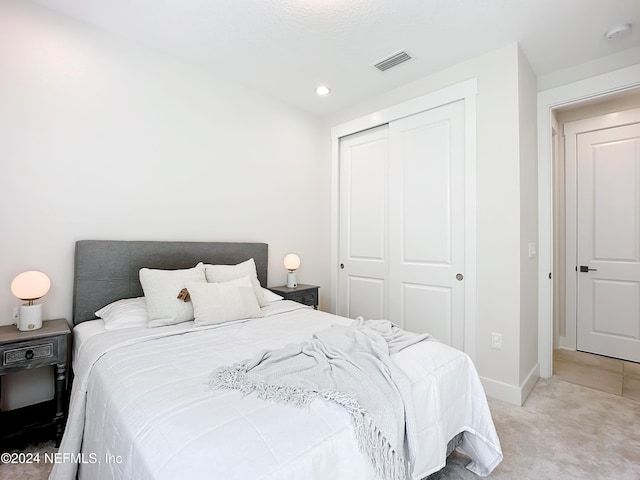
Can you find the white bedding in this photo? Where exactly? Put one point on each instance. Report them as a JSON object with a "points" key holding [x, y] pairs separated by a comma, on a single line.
{"points": [[150, 415]]}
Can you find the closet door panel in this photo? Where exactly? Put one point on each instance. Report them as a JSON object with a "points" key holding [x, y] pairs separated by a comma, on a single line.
{"points": [[426, 222], [365, 297], [363, 229], [427, 308], [426, 231]]}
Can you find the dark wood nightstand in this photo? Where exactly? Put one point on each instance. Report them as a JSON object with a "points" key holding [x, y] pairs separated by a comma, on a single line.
{"points": [[306, 294], [38, 348]]}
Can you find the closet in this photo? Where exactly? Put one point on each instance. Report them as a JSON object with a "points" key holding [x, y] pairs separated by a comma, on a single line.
{"points": [[401, 222]]}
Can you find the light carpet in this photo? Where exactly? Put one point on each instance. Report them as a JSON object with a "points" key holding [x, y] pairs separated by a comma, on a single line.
{"points": [[564, 431]]}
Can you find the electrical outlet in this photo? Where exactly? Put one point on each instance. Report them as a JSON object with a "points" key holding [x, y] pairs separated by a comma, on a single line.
{"points": [[16, 313], [496, 341]]}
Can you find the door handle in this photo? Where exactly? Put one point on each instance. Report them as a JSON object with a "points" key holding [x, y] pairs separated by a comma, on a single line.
{"points": [[586, 269]]}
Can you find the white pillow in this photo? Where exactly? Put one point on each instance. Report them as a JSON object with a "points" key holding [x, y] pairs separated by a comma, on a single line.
{"points": [[161, 289], [222, 302], [125, 313], [270, 296], [225, 273]]}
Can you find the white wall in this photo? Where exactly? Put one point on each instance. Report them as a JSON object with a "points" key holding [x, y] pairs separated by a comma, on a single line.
{"points": [[585, 70], [105, 140], [498, 203], [527, 105]]}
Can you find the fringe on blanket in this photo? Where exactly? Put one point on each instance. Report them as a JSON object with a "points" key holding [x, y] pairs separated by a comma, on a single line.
{"points": [[388, 464]]}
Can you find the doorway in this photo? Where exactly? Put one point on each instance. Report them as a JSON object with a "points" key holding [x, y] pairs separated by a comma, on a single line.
{"points": [[602, 161], [549, 101], [563, 262], [568, 318]]}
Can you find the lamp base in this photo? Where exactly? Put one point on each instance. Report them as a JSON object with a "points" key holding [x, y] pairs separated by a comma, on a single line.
{"points": [[30, 317], [292, 281]]}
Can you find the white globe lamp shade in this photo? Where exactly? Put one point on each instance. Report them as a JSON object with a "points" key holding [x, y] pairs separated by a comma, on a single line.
{"points": [[292, 262], [30, 286]]}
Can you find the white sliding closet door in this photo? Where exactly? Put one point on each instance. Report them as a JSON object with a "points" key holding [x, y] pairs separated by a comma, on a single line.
{"points": [[402, 222], [426, 232], [363, 275]]}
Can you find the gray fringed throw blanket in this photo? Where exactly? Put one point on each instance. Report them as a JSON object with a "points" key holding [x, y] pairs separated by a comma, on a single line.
{"points": [[350, 366]]}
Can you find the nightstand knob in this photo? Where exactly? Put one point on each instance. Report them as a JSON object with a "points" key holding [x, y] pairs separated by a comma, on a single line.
{"points": [[28, 354]]}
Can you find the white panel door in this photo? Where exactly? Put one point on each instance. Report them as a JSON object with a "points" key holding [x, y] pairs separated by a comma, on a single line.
{"points": [[363, 245], [608, 234], [426, 220]]}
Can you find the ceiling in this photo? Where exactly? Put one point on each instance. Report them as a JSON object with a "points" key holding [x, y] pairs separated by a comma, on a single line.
{"points": [[285, 48]]}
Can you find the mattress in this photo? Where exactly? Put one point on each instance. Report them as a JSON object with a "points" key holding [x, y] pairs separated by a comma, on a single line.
{"points": [[141, 407]]}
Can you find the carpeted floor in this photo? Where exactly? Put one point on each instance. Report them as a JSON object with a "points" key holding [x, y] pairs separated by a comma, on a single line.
{"points": [[564, 431], [29, 471]]}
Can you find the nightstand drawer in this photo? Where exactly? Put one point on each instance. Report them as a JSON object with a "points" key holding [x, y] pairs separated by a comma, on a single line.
{"points": [[29, 353], [306, 298], [305, 294]]}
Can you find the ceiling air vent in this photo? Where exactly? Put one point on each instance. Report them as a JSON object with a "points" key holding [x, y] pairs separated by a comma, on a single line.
{"points": [[389, 62]]}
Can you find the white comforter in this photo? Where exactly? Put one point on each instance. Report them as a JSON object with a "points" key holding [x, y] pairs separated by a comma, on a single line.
{"points": [[140, 407]]}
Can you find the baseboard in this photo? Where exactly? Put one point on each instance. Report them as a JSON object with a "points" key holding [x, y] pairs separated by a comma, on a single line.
{"points": [[526, 387], [501, 391], [566, 343], [510, 393]]}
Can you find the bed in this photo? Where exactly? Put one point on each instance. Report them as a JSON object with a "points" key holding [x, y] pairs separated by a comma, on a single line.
{"points": [[141, 407]]}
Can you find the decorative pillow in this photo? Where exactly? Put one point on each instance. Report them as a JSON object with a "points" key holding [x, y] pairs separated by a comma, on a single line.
{"points": [[161, 289], [222, 302], [125, 313], [225, 273], [270, 296]]}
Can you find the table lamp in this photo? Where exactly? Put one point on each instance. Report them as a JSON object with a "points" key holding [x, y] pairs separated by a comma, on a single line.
{"points": [[30, 286], [292, 263]]}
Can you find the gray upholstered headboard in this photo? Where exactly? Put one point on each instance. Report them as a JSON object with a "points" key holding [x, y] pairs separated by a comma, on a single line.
{"points": [[106, 270]]}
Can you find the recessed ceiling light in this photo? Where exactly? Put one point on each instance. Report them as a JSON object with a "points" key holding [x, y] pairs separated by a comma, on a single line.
{"points": [[618, 32], [323, 90]]}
